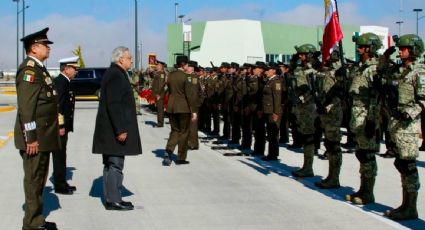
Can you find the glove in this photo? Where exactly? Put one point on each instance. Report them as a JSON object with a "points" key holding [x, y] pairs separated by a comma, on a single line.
{"points": [[401, 116], [370, 128], [389, 51]]}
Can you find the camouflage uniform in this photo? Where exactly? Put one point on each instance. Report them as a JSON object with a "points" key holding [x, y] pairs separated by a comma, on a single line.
{"points": [[406, 100], [365, 118], [329, 87], [135, 85], [305, 109]]}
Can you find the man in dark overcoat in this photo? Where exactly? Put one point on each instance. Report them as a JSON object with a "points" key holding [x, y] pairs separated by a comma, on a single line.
{"points": [[116, 133]]}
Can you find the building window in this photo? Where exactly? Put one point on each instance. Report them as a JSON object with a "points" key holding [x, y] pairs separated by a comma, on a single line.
{"points": [[273, 57]]}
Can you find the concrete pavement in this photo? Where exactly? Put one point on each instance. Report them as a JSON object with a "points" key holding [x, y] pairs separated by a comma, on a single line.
{"points": [[212, 192]]}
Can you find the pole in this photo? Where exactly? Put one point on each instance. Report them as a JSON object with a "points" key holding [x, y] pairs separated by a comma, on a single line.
{"points": [[135, 36], [17, 34], [176, 6], [417, 22], [341, 51], [23, 27]]}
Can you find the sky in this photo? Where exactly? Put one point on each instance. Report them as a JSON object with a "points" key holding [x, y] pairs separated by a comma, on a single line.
{"points": [[98, 26]]}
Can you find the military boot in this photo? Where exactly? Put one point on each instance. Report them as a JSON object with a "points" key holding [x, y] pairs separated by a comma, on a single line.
{"points": [[307, 169], [367, 182], [332, 181], [409, 211]]}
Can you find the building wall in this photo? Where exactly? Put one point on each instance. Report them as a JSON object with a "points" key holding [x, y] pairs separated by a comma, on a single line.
{"points": [[248, 41]]}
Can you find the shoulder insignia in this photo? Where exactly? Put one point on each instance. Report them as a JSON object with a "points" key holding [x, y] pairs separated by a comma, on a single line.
{"points": [[195, 81], [48, 80], [31, 63], [29, 76], [278, 86]]}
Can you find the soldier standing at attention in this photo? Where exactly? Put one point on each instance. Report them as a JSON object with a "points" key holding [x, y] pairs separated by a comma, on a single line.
{"points": [[272, 109], [365, 117], [36, 127], [66, 100], [239, 87], [256, 107], [159, 87], [135, 86], [406, 90], [304, 106], [284, 124], [330, 90], [181, 110], [193, 140]]}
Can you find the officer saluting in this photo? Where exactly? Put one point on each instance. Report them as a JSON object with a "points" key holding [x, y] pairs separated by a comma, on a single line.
{"points": [[36, 128]]}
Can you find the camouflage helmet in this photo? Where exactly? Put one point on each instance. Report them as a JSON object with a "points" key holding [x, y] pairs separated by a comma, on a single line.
{"points": [[369, 39], [305, 48], [412, 41]]}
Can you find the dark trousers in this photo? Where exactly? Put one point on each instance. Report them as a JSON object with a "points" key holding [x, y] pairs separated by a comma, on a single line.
{"points": [[112, 177], [59, 164], [216, 120], [247, 131], [296, 135], [236, 126], [160, 111], [35, 175], [284, 126], [193, 140], [318, 133], [273, 136], [226, 122], [260, 134], [179, 134]]}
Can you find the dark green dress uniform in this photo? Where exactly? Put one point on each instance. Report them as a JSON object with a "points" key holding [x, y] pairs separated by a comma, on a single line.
{"points": [[181, 104], [249, 107], [159, 88], [239, 89], [272, 97], [37, 120], [213, 87], [193, 140]]}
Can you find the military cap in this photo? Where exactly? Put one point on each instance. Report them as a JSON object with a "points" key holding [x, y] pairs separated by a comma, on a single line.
{"points": [[71, 61], [247, 65], [162, 63], [225, 65], [37, 37], [234, 65], [208, 69], [272, 65], [181, 59], [260, 64], [193, 64]]}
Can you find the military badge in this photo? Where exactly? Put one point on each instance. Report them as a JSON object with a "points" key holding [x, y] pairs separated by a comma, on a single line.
{"points": [[195, 81], [49, 94], [29, 76], [162, 76], [48, 80], [278, 86], [31, 63], [54, 92], [189, 79]]}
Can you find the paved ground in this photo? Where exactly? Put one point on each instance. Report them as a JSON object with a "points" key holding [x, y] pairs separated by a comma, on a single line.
{"points": [[213, 192]]}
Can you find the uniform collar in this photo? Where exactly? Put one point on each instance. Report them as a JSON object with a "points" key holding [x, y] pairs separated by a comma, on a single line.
{"points": [[69, 80], [36, 60]]}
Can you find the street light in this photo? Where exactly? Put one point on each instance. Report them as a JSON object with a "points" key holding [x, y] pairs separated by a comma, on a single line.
{"points": [[17, 33], [181, 16], [399, 26], [417, 19], [23, 26], [187, 20], [135, 36], [176, 5]]}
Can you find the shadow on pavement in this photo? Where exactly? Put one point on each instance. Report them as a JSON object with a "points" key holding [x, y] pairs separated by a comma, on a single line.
{"points": [[151, 123], [420, 164], [97, 190], [69, 174], [50, 201]]}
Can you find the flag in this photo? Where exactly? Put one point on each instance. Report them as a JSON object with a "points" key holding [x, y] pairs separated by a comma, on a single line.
{"points": [[29, 77], [332, 33]]}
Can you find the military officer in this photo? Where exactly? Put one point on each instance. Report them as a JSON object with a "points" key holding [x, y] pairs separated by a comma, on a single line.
{"points": [[136, 86], [193, 140], [36, 128], [225, 94], [181, 110], [239, 88], [248, 107], [284, 124], [66, 100], [406, 98], [364, 91], [329, 86], [272, 109], [158, 89], [256, 85]]}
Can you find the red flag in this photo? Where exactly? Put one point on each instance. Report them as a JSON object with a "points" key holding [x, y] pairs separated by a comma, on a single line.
{"points": [[332, 33]]}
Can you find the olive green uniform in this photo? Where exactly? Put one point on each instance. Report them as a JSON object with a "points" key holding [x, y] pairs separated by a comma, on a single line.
{"points": [[37, 120], [159, 87]]}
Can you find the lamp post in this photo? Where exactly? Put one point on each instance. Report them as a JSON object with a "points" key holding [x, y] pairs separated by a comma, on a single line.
{"points": [[135, 36], [399, 26], [181, 16], [23, 26], [17, 33], [417, 19], [176, 6]]}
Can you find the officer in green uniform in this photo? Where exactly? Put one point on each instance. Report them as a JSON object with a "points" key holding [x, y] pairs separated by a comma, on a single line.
{"points": [[272, 109], [36, 127], [329, 85], [249, 106], [225, 94], [159, 87], [365, 119], [257, 83], [304, 106], [193, 140], [405, 90], [135, 86], [181, 111], [239, 88]]}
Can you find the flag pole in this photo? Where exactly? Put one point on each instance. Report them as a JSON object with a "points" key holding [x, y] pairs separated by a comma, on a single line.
{"points": [[341, 50]]}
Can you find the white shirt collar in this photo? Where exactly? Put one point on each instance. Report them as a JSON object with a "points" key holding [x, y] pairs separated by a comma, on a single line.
{"points": [[66, 77], [36, 60]]}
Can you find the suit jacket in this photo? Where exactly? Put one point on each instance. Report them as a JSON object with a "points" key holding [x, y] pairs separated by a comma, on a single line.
{"points": [[182, 97], [66, 100], [116, 114], [37, 115]]}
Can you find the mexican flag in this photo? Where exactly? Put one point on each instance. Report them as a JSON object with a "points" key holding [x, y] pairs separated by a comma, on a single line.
{"points": [[29, 77], [332, 33]]}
